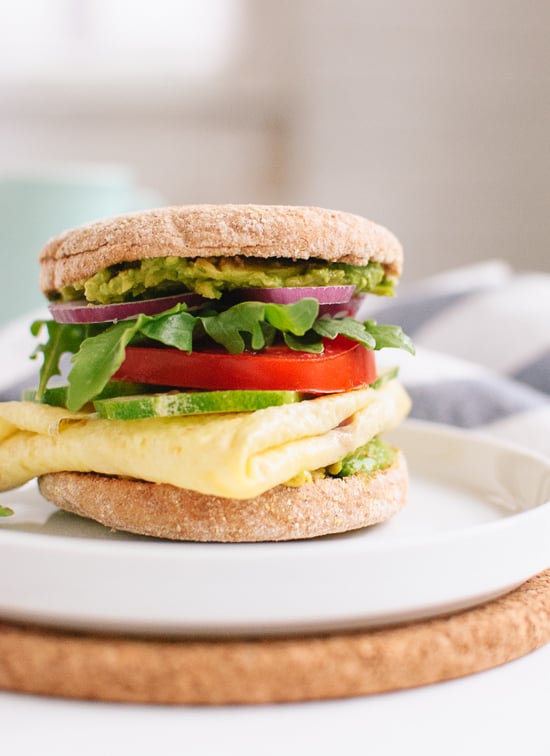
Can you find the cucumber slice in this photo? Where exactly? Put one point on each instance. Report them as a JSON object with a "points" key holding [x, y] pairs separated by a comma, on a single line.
{"points": [[190, 403], [57, 396]]}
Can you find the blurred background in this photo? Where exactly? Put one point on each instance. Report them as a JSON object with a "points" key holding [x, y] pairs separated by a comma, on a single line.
{"points": [[431, 117]]}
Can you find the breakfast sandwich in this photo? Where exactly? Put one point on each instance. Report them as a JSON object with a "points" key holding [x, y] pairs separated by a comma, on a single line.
{"points": [[219, 386]]}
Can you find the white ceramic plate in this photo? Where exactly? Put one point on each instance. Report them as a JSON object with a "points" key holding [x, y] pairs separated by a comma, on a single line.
{"points": [[477, 525]]}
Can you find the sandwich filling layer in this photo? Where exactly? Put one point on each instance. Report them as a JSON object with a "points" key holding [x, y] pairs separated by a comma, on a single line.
{"points": [[214, 276], [236, 456]]}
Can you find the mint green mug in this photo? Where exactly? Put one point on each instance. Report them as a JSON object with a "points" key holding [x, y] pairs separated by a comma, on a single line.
{"points": [[36, 204]]}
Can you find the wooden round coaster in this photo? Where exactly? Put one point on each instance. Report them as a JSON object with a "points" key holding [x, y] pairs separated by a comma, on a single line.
{"points": [[179, 671]]}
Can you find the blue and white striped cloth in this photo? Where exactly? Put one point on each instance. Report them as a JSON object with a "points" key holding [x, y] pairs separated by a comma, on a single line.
{"points": [[483, 350]]}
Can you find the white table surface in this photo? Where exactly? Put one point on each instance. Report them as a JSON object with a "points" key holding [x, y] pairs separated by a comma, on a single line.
{"points": [[501, 711]]}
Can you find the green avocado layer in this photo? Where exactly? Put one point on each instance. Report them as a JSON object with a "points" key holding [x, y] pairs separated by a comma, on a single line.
{"points": [[373, 456], [366, 460], [213, 276]]}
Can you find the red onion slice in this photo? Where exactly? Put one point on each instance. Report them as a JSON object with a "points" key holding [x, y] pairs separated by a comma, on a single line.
{"points": [[345, 310], [83, 312], [325, 295]]}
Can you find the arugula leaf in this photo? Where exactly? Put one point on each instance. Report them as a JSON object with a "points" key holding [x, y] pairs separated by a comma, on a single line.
{"points": [[6, 512], [332, 327], [296, 318], [173, 328], [226, 328], [309, 342], [385, 377], [62, 338], [269, 333], [98, 358], [389, 336]]}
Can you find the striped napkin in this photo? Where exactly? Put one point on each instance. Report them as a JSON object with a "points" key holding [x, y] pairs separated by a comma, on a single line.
{"points": [[483, 350]]}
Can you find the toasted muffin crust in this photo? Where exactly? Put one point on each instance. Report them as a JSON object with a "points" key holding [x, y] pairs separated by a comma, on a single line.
{"points": [[262, 231], [329, 505]]}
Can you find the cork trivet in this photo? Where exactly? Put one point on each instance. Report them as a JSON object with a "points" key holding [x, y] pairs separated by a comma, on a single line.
{"points": [[179, 671]]}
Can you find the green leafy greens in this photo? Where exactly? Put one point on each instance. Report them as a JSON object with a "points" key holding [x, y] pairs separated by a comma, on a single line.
{"points": [[61, 339], [99, 350]]}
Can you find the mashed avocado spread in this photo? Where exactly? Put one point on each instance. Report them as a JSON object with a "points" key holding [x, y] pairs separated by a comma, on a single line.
{"points": [[213, 276], [366, 460]]}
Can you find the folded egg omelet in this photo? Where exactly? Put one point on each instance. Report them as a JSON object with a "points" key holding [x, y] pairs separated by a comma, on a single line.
{"points": [[237, 455]]}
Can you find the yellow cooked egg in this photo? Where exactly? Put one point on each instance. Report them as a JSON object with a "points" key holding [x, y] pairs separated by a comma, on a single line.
{"points": [[233, 455]]}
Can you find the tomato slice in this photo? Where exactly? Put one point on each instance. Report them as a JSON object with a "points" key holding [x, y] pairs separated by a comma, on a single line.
{"points": [[343, 366]]}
